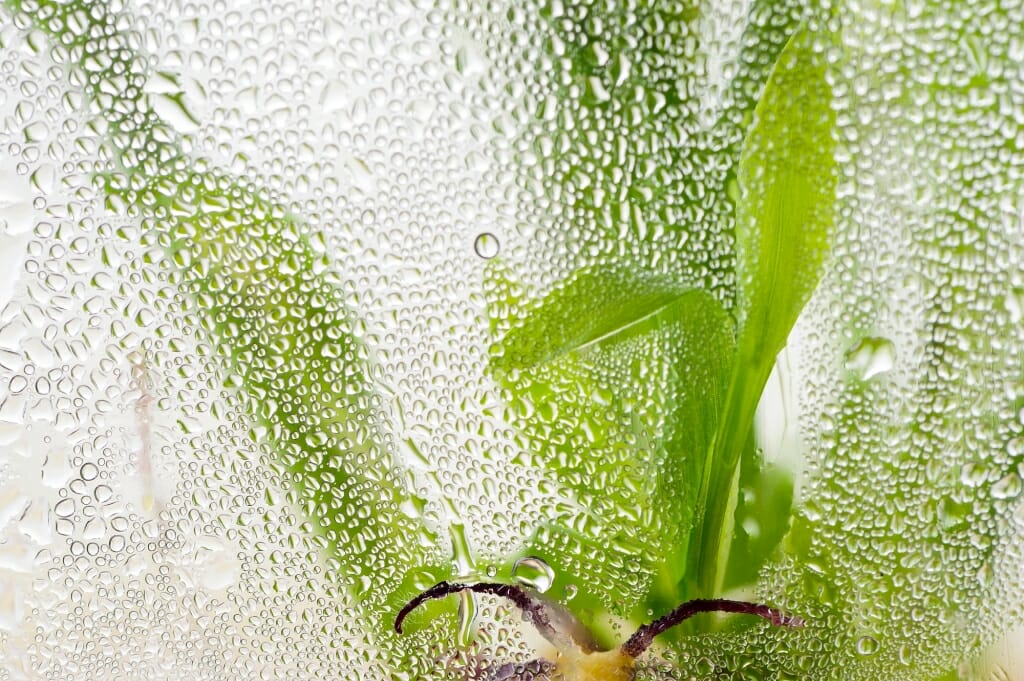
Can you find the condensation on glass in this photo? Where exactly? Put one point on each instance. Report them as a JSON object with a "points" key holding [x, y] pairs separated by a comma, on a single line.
{"points": [[265, 271]]}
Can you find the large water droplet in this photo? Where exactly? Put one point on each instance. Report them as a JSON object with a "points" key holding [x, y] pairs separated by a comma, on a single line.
{"points": [[1007, 487], [486, 245], [870, 357], [533, 572], [462, 557], [467, 618], [867, 645]]}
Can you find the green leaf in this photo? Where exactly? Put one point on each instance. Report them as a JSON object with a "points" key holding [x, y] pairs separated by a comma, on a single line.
{"points": [[262, 287], [616, 380], [762, 519], [592, 305], [787, 182], [668, 188]]}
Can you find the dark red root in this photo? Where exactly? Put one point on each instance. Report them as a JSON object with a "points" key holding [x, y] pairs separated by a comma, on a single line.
{"points": [[532, 607], [644, 636]]}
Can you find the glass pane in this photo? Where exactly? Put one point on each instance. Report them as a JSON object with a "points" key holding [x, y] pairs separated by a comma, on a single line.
{"points": [[307, 306]]}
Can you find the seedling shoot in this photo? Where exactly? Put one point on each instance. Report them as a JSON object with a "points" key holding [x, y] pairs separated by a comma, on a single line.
{"points": [[580, 659]]}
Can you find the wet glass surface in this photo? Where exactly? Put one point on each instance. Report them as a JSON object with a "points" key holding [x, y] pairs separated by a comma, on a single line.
{"points": [[306, 306]]}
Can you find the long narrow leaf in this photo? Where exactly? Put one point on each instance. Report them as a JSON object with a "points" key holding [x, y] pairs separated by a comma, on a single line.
{"points": [[787, 190], [271, 307]]}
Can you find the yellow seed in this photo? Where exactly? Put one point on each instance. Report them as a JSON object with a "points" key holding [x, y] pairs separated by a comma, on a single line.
{"points": [[612, 665]]}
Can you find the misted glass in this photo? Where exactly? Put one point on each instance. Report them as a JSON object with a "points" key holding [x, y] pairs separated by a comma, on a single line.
{"points": [[307, 306]]}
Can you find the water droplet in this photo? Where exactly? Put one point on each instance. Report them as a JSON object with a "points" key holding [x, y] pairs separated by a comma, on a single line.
{"points": [[867, 645], [953, 513], [1013, 303], [871, 357], [174, 109], [64, 508], [533, 572], [467, 618], [18, 384], [461, 555], [974, 474], [1007, 487], [486, 245]]}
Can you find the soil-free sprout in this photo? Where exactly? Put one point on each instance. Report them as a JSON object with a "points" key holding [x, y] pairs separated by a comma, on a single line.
{"points": [[581, 659]]}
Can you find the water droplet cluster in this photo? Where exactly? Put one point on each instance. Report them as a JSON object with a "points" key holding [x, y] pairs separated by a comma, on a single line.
{"points": [[247, 404], [910, 511]]}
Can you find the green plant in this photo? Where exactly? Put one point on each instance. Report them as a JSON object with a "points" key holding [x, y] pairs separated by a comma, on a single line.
{"points": [[851, 187]]}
